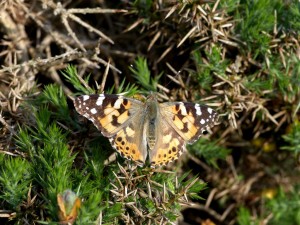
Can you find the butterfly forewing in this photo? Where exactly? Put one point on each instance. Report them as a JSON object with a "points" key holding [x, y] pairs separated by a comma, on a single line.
{"points": [[188, 119], [109, 113], [118, 118]]}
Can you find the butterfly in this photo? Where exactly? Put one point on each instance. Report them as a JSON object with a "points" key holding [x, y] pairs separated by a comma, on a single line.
{"points": [[140, 129]]}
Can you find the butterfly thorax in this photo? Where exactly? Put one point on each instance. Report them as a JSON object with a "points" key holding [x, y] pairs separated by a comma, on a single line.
{"points": [[152, 112]]}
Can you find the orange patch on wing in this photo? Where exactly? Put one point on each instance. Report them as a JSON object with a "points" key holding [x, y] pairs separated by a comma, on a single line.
{"points": [[166, 155], [178, 123], [192, 129], [192, 132], [127, 105], [174, 110], [106, 124], [108, 111], [128, 149], [123, 117]]}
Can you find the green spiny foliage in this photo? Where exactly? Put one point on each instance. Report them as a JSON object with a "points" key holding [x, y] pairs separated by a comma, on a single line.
{"points": [[285, 208], [142, 74], [293, 139], [230, 5], [144, 8], [79, 84], [287, 80], [255, 18], [25, 142], [15, 180], [258, 84], [209, 150], [246, 54], [70, 73], [203, 72], [129, 89], [216, 64], [52, 160], [191, 186], [50, 156], [288, 13], [244, 217]]}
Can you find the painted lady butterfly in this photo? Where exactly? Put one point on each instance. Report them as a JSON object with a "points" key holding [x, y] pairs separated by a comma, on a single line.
{"points": [[139, 129]]}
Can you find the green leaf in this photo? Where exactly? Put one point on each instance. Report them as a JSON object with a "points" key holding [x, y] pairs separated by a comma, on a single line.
{"points": [[79, 84], [141, 73]]}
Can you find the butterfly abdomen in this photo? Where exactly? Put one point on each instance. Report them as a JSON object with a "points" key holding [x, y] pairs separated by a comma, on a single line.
{"points": [[151, 134], [151, 122]]}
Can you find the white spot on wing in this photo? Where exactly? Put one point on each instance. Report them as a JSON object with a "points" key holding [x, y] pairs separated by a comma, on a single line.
{"points": [[100, 99], [93, 111], [118, 103], [202, 121], [129, 132], [209, 110], [167, 138], [86, 97], [198, 109], [183, 109]]}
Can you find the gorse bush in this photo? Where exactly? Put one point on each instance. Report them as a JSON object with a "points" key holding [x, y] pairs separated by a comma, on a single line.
{"points": [[239, 58]]}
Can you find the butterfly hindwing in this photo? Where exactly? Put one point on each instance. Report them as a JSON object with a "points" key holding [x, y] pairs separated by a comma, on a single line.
{"points": [[130, 143], [168, 147]]}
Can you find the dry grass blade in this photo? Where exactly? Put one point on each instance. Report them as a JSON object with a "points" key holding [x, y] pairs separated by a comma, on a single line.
{"points": [[165, 53], [135, 24], [71, 33], [187, 36], [104, 78], [157, 35], [96, 10], [90, 28]]}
